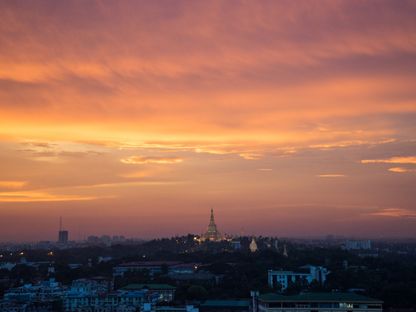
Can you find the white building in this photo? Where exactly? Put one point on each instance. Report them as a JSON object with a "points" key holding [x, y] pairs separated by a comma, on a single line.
{"points": [[45, 291], [308, 274], [96, 296]]}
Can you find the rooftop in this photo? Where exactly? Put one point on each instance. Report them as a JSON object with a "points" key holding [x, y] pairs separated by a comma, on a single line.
{"points": [[329, 297], [149, 286], [149, 263], [226, 303]]}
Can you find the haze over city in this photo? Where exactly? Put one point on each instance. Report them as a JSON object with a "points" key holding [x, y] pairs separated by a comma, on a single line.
{"points": [[289, 118]]}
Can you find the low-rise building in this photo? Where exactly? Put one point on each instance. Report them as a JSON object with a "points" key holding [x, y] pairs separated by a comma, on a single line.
{"points": [[239, 305], [164, 292], [98, 296], [153, 267], [187, 308], [316, 302], [308, 273], [49, 290]]}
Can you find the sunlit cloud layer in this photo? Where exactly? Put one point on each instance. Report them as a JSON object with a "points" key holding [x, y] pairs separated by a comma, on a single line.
{"points": [[392, 160], [152, 112], [21, 197], [401, 170], [395, 213], [12, 184], [134, 160]]}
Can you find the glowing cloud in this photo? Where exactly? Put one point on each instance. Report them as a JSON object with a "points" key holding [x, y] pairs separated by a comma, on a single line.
{"points": [[395, 213], [32, 196], [12, 184], [250, 156], [139, 160], [186, 103], [333, 175], [401, 170], [392, 160]]}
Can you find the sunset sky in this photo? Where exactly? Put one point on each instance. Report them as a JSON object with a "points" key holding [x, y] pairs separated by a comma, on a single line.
{"points": [[289, 118]]}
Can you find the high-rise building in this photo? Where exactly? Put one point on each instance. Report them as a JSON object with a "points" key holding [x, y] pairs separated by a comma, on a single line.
{"points": [[63, 235], [212, 232]]}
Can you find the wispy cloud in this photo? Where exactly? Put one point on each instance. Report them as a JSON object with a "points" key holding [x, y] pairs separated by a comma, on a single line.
{"points": [[331, 175], [394, 213], [56, 151], [12, 184], [138, 160], [250, 156], [35, 196], [392, 160], [401, 170]]}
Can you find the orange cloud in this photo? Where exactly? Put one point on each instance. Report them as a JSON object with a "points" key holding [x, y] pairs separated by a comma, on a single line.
{"points": [[12, 184], [395, 213], [333, 175], [138, 160], [401, 170], [392, 160], [34, 196], [250, 156], [300, 89]]}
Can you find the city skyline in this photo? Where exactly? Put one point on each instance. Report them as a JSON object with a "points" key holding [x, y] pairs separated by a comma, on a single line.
{"points": [[134, 118]]}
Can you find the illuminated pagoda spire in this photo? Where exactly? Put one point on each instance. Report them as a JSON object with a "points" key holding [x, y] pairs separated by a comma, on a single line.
{"points": [[212, 232]]}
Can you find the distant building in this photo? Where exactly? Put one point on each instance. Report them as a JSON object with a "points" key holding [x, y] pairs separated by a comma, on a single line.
{"points": [[358, 244], [183, 268], [49, 290], [253, 245], [187, 308], [276, 244], [102, 259], [236, 244], [63, 235], [91, 295], [285, 251], [99, 285], [317, 302], [165, 292], [7, 266], [212, 233], [153, 267], [15, 306], [308, 274], [196, 277]]}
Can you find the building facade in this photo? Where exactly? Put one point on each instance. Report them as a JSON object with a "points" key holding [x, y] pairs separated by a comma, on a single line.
{"points": [[308, 273], [316, 302]]}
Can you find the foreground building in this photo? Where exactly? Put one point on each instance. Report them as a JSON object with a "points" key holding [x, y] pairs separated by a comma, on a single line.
{"points": [[97, 296], [238, 305], [316, 302], [308, 273], [45, 291], [163, 292]]}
